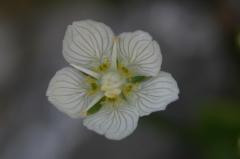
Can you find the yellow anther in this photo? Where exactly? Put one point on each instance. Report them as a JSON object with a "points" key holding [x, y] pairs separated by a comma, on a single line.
{"points": [[89, 79], [104, 66], [113, 101], [124, 71], [128, 88], [93, 86]]}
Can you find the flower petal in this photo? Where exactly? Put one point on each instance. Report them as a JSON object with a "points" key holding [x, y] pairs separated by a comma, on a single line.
{"points": [[139, 52], [115, 122], [155, 94], [87, 43], [68, 93]]}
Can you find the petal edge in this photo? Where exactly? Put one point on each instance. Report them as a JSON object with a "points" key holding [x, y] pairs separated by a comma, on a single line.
{"points": [[115, 123], [156, 93], [87, 43], [67, 92], [140, 53]]}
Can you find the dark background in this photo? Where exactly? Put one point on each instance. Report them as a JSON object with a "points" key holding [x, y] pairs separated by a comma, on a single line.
{"points": [[200, 43]]}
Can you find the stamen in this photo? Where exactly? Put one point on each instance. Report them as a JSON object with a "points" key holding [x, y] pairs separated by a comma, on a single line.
{"points": [[93, 85], [127, 89], [114, 53], [124, 70], [87, 71], [94, 101], [104, 66]]}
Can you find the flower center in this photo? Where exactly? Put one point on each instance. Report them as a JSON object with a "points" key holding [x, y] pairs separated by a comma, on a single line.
{"points": [[111, 84]]}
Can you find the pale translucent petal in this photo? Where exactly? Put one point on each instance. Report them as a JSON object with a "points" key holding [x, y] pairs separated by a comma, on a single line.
{"points": [[155, 94], [139, 52], [87, 43], [115, 122], [67, 92]]}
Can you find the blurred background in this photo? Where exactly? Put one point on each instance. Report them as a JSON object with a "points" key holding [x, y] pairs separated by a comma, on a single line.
{"points": [[200, 43]]}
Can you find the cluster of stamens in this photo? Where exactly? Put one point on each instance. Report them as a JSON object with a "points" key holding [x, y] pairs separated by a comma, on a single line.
{"points": [[113, 83]]}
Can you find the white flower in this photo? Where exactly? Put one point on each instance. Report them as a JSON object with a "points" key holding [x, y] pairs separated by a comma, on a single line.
{"points": [[113, 80]]}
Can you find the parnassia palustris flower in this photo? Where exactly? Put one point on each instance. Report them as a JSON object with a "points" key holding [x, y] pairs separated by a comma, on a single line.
{"points": [[112, 80]]}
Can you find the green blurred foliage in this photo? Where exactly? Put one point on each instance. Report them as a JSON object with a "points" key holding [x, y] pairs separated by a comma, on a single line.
{"points": [[219, 129], [238, 40], [216, 134]]}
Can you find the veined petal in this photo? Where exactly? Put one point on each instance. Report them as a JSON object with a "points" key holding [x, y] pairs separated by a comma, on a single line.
{"points": [[115, 122], [139, 52], [68, 93], [155, 94], [87, 43]]}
